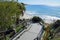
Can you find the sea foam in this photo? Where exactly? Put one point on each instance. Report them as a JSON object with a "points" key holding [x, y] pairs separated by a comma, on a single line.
{"points": [[46, 18]]}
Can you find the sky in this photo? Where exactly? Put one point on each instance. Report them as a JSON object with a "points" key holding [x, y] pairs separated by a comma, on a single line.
{"points": [[42, 2]]}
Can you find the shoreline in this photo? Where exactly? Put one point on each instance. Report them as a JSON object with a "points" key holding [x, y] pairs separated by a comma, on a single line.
{"points": [[46, 18]]}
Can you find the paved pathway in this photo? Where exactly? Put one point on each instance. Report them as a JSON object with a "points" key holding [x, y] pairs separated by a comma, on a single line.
{"points": [[32, 33]]}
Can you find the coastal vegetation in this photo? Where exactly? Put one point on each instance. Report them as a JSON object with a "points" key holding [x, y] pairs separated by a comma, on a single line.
{"points": [[36, 19], [10, 24], [52, 31], [9, 17]]}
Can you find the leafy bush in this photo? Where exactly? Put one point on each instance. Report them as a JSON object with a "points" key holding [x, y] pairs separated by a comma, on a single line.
{"points": [[9, 12], [36, 19], [52, 31], [56, 24]]}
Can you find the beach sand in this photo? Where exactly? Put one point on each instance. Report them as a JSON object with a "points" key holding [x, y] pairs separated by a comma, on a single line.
{"points": [[47, 19]]}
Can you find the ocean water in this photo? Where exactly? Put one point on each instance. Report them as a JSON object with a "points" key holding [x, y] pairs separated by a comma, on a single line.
{"points": [[43, 10]]}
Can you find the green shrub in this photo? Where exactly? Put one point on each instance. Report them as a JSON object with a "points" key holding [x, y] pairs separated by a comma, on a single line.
{"points": [[9, 12], [36, 19], [56, 24]]}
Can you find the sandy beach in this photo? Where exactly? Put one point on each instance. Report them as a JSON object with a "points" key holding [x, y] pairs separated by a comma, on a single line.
{"points": [[47, 19]]}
